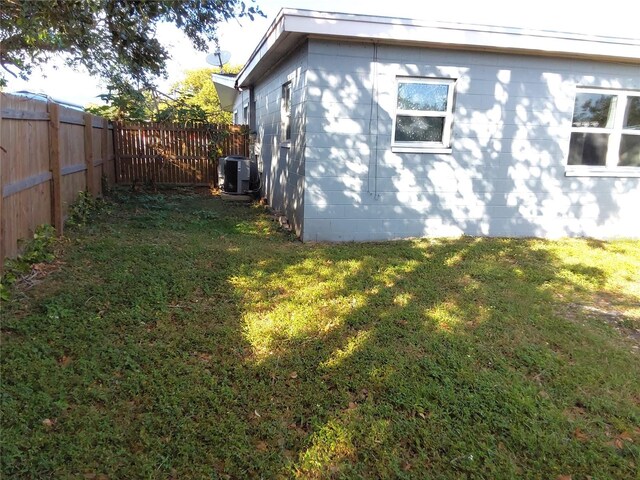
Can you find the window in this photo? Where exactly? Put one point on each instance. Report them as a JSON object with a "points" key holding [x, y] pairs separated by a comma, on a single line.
{"points": [[286, 111], [424, 113], [245, 114], [235, 117], [605, 131]]}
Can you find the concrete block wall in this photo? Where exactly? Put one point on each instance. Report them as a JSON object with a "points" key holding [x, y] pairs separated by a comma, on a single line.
{"points": [[510, 139], [282, 163]]}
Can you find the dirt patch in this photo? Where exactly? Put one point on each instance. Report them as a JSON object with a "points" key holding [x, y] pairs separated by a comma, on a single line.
{"points": [[625, 324], [39, 271]]}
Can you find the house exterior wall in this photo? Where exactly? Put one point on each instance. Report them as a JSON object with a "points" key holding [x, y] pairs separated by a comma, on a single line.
{"points": [[282, 163], [510, 139], [242, 99]]}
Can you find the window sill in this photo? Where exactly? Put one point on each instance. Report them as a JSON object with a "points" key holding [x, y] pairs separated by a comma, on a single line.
{"points": [[618, 172], [407, 149]]}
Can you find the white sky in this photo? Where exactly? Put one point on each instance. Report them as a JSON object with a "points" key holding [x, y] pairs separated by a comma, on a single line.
{"points": [[614, 18]]}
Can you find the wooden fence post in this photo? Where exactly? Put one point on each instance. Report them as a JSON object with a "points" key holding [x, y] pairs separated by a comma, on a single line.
{"points": [[103, 149], [116, 150], [88, 153], [3, 161], [246, 142], [54, 166]]}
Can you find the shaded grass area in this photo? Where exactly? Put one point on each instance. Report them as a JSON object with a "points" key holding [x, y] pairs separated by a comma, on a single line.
{"points": [[188, 338]]}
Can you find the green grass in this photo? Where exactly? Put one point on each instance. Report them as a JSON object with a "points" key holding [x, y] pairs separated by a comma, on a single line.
{"points": [[182, 337]]}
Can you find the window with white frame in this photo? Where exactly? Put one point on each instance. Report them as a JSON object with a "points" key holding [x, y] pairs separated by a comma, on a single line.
{"points": [[245, 114], [286, 111], [605, 130], [424, 113], [235, 117]]}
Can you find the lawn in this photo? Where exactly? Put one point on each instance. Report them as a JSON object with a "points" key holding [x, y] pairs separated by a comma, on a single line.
{"points": [[183, 337]]}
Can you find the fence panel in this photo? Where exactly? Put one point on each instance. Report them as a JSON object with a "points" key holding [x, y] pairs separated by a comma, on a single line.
{"points": [[173, 153], [44, 150]]}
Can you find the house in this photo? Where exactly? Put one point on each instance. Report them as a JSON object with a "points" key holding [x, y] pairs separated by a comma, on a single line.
{"points": [[372, 128]]}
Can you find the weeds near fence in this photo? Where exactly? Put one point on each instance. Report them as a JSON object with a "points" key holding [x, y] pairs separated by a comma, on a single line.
{"points": [[38, 250], [82, 211]]}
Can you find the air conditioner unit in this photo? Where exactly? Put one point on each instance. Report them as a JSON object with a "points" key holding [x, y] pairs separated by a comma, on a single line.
{"points": [[238, 175]]}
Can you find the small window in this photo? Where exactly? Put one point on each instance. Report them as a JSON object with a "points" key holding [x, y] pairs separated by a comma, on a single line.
{"points": [[605, 129], [245, 114], [424, 114], [235, 117], [286, 111]]}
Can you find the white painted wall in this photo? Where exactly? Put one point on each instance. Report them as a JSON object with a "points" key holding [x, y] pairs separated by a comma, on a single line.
{"points": [[282, 165], [242, 99], [506, 175]]}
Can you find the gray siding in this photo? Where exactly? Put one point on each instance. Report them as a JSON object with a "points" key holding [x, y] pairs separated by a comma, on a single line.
{"points": [[283, 165], [506, 175]]}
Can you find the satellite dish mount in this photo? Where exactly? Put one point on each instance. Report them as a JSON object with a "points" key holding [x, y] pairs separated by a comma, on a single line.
{"points": [[219, 58]]}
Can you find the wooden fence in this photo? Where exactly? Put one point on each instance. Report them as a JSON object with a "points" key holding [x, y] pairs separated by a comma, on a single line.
{"points": [[48, 153], [173, 153]]}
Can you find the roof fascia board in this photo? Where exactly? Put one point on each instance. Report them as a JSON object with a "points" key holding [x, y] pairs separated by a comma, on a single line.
{"points": [[225, 88], [443, 35], [225, 80], [335, 17], [495, 38], [268, 40]]}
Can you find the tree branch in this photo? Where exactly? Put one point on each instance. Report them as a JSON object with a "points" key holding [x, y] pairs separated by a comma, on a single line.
{"points": [[2, 64]]}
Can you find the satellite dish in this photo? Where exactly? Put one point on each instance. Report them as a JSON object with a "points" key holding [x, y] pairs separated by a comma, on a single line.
{"points": [[219, 58]]}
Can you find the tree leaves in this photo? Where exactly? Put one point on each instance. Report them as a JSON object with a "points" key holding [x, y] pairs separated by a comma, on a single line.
{"points": [[192, 99], [619, 441], [113, 39], [197, 93]]}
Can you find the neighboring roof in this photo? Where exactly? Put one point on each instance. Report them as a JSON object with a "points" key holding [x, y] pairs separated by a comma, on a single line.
{"points": [[225, 87], [290, 27], [43, 97]]}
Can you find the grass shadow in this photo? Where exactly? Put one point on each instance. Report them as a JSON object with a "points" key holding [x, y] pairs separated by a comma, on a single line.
{"points": [[444, 350]]}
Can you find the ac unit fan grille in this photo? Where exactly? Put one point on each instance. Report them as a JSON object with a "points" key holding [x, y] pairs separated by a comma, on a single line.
{"points": [[231, 176]]}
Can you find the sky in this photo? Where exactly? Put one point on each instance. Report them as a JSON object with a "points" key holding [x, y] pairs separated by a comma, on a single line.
{"points": [[241, 36]]}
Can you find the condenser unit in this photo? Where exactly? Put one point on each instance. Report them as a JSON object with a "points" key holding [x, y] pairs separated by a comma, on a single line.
{"points": [[238, 175]]}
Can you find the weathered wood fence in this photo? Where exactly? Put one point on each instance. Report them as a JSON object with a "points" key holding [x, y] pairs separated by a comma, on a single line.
{"points": [[175, 153], [48, 153]]}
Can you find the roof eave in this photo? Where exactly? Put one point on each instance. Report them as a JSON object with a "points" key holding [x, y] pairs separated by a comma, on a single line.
{"points": [[291, 26], [269, 39], [225, 88]]}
